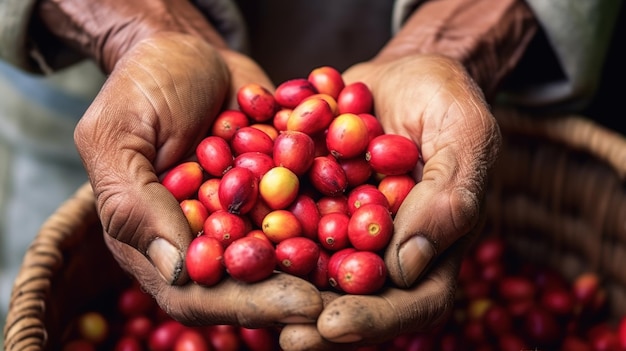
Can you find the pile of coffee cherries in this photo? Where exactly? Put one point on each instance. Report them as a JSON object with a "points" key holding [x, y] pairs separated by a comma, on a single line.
{"points": [[302, 180]]}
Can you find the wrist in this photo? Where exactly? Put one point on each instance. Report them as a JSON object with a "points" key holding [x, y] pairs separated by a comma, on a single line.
{"points": [[105, 30], [488, 37]]}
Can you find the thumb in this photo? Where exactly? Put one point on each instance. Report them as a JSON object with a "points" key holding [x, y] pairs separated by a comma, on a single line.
{"points": [[150, 220], [430, 220]]}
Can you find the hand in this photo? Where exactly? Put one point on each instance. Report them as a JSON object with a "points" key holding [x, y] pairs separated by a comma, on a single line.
{"points": [[431, 100], [167, 81]]}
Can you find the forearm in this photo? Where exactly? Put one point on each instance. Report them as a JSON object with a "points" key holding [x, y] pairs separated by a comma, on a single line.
{"points": [[105, 30], [487, 36]]}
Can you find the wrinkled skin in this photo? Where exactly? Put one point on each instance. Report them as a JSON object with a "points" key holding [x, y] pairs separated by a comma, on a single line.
{"points": [[444, 113], [159, 101]]}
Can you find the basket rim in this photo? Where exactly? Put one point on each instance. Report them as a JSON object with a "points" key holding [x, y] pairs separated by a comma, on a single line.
{"points": [[24, 327]]}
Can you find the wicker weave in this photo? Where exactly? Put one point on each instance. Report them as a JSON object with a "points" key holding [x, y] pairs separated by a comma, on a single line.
{"points": [[558, 196], [66, 267]]}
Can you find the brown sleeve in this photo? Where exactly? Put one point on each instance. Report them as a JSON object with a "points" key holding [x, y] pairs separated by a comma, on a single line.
{"points": [[487, 36]]}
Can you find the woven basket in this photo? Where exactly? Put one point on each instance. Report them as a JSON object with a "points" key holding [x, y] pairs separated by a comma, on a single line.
{"points": [[558, 196]]}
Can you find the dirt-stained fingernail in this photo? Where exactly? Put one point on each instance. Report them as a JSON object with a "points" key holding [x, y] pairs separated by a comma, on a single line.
{"points": [[415, 255], [166, 258]]}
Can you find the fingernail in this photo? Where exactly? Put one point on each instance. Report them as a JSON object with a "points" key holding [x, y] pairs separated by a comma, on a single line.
{"points": [[415, 254], [166, 258]]}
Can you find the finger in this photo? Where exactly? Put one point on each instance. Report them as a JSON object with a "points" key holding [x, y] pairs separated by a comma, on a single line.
{"points": [[427, 223], [148, 116], [373, 319], [277, 300], [304, 337], [329, 296]]}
